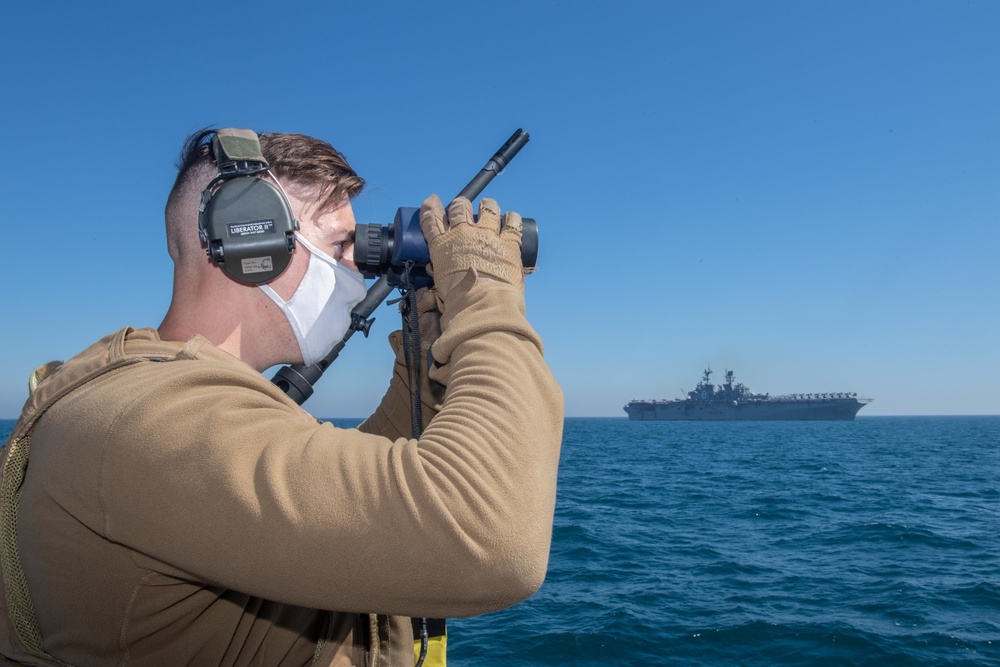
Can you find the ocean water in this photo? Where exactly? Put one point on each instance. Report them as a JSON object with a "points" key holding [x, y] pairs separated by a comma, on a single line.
{"points": [[872, 542]]}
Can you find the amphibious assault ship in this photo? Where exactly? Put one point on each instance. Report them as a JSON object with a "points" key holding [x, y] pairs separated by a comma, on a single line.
{"points": [[734, 402]]}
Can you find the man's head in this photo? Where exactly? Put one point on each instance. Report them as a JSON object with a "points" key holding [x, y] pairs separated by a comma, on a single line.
{"points": [[319, 184]]}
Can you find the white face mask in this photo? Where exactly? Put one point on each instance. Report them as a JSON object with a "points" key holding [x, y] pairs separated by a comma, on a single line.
{"points": [[320, 310]]}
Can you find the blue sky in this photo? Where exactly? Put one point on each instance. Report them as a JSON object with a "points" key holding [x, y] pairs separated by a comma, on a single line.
{"points": [[803, 192]]}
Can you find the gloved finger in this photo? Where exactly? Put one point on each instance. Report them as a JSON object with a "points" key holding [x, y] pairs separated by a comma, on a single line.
{"points": [[489, 215], [513, 226], [460, 212], [429, 312], [426, 300], [432, 218]]}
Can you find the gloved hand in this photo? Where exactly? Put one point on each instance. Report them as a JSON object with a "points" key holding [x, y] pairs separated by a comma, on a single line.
{"points": [[428, 315], [429, 321], [392, 417], [457, 243]]}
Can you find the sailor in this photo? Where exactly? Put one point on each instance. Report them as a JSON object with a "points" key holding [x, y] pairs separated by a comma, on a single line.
{"points": [[162, 503]]}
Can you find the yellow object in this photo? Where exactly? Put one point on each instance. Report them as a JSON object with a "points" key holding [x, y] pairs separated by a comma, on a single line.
{"points": [[437, 649]]}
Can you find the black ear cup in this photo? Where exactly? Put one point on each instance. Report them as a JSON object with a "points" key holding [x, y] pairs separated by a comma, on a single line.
{"points": [[248, 228], [245, 222]]}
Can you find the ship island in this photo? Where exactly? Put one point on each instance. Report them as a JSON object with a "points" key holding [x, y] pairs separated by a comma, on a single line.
{"points": [[734, 402]]}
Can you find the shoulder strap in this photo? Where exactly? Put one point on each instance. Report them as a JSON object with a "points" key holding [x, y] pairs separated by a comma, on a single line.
{"points": [[15, 464]]}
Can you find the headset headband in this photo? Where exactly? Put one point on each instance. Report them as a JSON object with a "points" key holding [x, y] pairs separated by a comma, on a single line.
{"points": [[238, 153]]}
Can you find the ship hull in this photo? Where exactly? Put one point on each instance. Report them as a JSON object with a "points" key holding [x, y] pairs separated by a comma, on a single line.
{"points": [[834, 409]]}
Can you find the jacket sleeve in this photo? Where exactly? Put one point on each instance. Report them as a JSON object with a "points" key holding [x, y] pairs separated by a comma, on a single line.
{"points": [[226, 481]]}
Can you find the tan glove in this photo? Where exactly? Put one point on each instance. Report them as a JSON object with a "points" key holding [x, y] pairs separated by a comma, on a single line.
{"points": [[429, 321], [429, 318], [457, 243], [392, 417]]}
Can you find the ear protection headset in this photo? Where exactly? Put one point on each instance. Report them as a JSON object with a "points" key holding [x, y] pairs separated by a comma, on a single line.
{"points": [[244, 221]]}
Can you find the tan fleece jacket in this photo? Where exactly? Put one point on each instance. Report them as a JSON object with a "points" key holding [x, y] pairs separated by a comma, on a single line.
{"points": [[180, 509]]}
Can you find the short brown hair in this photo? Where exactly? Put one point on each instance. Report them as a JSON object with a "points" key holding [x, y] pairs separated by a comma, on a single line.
{"points": [[312, 163], [294, 158]]}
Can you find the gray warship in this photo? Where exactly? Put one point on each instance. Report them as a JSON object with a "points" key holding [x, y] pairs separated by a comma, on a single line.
{"points": [[734, 402]]}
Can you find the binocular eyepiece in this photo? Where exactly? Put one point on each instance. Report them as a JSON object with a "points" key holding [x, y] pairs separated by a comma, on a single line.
{"points": [[388, 250]]}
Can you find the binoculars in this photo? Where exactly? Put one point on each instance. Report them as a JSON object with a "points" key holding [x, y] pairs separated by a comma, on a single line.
{"points": [[391, 250]]}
